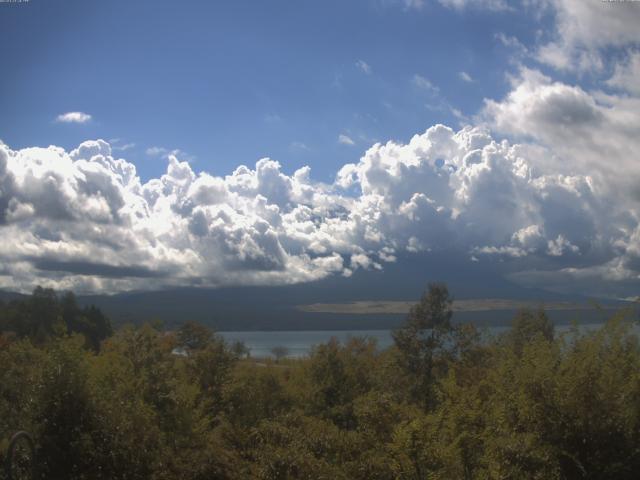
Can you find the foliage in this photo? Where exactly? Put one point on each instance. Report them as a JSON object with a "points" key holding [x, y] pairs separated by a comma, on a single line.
{"points": [[527, 326], [280, 352], [424, 341], [44, 316], [442, 403]]}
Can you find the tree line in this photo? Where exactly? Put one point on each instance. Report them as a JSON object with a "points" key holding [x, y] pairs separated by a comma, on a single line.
{"points": [[443, 402]]}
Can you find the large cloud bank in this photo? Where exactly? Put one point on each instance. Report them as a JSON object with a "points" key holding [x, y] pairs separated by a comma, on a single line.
{"points": [[545, 184], [83, 219]]}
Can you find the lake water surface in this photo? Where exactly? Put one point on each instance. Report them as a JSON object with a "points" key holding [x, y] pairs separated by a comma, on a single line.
{"points": [[299, 343]]}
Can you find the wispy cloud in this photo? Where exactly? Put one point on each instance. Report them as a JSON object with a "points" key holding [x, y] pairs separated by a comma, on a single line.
{"points": [[495, 5], [518, 52], [163, 152], [156, 151], [117, 145], [345, 139], [417, 4], [458, 114], [299, 146], [465, 77], [272, 118], [124, 146], [73, 117], [364, 66], [437, 102], [423, 83], [337, 80]]}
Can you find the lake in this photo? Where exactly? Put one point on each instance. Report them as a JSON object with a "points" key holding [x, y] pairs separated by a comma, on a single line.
{"points": [[299, 343]]}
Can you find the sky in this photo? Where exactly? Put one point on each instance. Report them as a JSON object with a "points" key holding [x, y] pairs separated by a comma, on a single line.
{"points": [[147, 145]]}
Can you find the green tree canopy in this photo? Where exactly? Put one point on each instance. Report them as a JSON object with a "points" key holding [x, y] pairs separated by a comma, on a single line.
{"points": [[424, 339]]}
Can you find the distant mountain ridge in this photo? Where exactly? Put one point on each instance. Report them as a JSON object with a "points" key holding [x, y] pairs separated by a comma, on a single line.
{"points": [[279, 307]]}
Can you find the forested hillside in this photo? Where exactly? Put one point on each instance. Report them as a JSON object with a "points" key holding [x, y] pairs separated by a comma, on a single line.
{"points": [[444, 402]]}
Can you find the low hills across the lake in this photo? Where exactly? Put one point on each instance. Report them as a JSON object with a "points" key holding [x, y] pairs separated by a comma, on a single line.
{"points": [[368, 300], [301, 307]]}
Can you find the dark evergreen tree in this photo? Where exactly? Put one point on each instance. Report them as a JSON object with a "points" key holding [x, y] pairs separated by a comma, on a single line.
{"points": [[424, 340]]}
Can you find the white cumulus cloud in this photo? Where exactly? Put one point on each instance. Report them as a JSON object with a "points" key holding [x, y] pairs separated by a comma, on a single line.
{"points": [[73, 117], [583, 29], [83, 219]]}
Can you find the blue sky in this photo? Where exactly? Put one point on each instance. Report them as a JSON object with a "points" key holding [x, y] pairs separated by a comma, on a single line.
{"points": [[496, 133], [203, 77]]}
